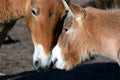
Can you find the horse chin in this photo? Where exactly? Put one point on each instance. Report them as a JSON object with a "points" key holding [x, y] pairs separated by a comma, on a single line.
{"points": [[43, 70], [59, 65], [46, 69], [62, 66]]}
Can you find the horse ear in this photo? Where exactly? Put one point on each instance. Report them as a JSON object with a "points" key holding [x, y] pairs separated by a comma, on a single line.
{"points": [[70, 13], [68, 1], [81, 14]]}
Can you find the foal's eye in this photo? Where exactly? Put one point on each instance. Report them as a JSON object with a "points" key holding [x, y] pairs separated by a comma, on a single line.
{"points": [[34, 12], [66, 29]]}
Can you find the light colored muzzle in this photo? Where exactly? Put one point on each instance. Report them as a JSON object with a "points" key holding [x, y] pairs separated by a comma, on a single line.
{"points": [[44, 62], [41, 61], [57, 58]]}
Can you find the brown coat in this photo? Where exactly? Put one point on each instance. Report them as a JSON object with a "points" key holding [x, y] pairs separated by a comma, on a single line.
{"points": [[89, 32], [10, 12]]}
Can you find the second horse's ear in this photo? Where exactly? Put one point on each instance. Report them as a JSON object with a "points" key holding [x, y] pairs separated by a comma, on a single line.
{"points": [[68, 1]]}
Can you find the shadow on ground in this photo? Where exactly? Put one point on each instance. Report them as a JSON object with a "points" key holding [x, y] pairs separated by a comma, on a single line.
{"points": [[95, 71]]}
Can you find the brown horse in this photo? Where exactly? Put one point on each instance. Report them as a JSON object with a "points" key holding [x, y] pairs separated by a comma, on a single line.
{"points": [[87, 32], [45, 21], [10, 12]]}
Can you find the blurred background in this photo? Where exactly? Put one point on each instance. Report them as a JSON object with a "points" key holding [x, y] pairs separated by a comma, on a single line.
{"points": [[16, 61]]}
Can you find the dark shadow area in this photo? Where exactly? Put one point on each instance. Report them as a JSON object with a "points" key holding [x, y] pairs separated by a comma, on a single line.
{"points": [[9, 40], [95, 71]]}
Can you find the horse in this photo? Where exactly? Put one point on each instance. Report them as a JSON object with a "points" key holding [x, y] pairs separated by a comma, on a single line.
{"points": [[10, 12], [44, 19], [45, 24], [87, 32]]}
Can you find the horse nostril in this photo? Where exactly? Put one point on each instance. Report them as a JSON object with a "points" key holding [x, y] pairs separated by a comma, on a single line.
{"points": [[55, 61], [37, 64]]}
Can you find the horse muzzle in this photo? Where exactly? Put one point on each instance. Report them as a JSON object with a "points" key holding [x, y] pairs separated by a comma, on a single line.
{"points": [[40, 68]]}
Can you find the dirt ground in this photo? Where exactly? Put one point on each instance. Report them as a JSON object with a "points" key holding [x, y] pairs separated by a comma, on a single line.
{"points": [[16, 61]]}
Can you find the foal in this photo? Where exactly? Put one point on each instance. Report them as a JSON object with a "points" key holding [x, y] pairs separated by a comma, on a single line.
{"points": [[87, 31]]}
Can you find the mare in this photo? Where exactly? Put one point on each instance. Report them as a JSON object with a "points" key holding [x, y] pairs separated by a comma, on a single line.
{"points": [[45, 21]]}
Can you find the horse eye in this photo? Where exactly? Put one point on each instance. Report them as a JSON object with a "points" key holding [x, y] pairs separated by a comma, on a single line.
{"points": [[66, 11], [51, 14], [34, 12], [66, 29]]}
